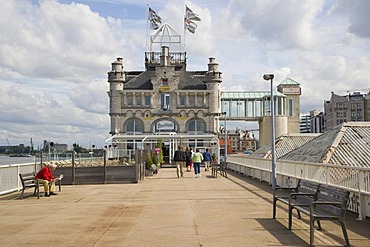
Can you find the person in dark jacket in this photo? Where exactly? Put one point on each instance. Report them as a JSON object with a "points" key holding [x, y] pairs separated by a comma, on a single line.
{"points": [[207, 158], [188, 161], [179, 158]]}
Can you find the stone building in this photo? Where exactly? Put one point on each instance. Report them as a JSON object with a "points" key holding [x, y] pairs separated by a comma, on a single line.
{"points": [[165, 102], [353, 107]]}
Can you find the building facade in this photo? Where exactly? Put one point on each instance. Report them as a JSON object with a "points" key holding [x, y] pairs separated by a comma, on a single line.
{"points": [[165, 102], [353, 107]]}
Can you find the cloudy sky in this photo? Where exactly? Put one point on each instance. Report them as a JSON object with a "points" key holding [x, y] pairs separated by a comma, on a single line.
{"points": [[55, 55]]}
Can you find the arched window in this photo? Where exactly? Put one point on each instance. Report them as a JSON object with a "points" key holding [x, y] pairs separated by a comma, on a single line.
{"points": [[196, 126], [134, 125]]}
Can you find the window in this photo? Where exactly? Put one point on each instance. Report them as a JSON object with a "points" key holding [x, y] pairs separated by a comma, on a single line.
{"points": [[147, 100], [200, 100], [192, 100], [134, 125], [165, 101], [129, 100], [182, 100], [138, 99], [196, 126], [290, 110], [164, 81]]}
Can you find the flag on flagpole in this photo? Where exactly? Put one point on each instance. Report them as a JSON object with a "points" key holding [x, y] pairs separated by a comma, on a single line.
{"points": [[190, 25], [154, 19], [190, 15], [189, 19]]}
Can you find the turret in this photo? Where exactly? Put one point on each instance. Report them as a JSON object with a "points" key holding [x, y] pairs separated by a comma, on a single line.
{"points": [[213, 75], [116, 79], [213, 80]]}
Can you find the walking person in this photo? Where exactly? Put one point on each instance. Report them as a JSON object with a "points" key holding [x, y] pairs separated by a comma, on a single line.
{"points": [[197, 160], [207, 159], [188, 161], [179, 158]]}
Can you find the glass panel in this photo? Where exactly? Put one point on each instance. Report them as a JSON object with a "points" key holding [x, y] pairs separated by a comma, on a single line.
{"points": [[233, 109], [258, 108], [138, 100], [191, 100], [147, 100], [250, 107], [182, 100], [225, 106], [290, 107], [134, 126], [279, 107], [129, 100], [200, 100], [191, 126], [165, 101], [201, 127], [241, 109], [196, 126]]}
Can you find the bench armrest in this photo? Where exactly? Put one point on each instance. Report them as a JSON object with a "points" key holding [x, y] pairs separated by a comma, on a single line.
{"points": [[284, 191]]}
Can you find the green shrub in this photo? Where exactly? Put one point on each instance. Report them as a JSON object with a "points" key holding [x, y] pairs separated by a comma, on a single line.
{"points": [[155, 158], [149, 161]]}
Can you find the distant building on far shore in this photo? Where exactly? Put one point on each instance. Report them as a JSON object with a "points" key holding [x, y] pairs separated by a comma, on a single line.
{"points": [[353, 107]]}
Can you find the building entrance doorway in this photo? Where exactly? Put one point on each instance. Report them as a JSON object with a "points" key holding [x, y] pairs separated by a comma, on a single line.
{"points": [[166, 152]]}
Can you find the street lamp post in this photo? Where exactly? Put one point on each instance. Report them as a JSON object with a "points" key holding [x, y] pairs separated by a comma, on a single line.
{"points": [[225, 141], [270, 77]]}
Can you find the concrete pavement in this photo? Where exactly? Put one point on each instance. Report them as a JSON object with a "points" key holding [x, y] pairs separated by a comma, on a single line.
{"points": [[164, 211]]}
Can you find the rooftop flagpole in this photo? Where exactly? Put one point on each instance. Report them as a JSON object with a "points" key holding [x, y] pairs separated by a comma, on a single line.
{"points": [[185, 29], [147, 28]]}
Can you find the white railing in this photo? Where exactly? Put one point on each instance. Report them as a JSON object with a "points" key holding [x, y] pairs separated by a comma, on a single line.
{"points": [[9, 176], [354, 179]]}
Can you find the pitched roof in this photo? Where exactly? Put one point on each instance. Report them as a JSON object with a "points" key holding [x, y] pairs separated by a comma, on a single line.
{"points": [[284, 144], [289, 81], [345, 144], [143, 81], [190, 82]]}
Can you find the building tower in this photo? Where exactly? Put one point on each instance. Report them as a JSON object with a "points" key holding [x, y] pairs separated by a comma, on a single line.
{"points": [[116, 79], [292, 90], [213, 80]]}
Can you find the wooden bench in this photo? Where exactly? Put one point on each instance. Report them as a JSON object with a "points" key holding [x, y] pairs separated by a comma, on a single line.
{"points": [[28, 180], [286, 195], [329, 204], [219, 168]]}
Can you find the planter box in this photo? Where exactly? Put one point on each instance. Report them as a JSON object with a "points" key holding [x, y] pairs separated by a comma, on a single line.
{"points": [[99, 175], [148, 172]]}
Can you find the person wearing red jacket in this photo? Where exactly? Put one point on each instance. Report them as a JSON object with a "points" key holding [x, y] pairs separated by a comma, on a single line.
{"points": [[45, 177]]}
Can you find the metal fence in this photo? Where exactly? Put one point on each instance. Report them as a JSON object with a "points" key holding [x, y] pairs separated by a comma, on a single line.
{"points": [[354, 179], [78, 170]]}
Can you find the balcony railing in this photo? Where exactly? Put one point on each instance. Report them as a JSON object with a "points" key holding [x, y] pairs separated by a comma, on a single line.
{"points": [[155, 57]]}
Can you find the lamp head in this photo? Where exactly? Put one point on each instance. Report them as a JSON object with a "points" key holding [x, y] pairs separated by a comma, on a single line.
{"points": [[268, 76]]}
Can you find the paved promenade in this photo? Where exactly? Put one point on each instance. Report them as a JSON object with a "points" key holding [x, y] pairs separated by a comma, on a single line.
{"points": [[163, 211]]}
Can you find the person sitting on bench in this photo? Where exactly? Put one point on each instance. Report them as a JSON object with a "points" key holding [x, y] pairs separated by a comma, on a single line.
{"points": [[45, 177]]}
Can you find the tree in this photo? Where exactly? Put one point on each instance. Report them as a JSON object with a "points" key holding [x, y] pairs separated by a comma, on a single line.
{"points": [[155, 158], [159, 145], [149, 161]]}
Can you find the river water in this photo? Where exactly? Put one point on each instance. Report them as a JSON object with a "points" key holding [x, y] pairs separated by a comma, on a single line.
{"points": [[6, 160]]}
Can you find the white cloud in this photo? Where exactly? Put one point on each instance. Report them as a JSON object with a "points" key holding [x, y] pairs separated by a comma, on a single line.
{"points": [[54, 56]]}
